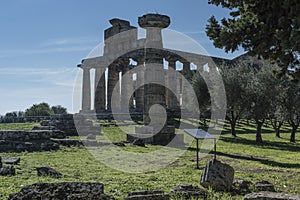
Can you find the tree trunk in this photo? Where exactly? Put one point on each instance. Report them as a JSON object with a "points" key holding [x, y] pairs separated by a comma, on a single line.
{"points": [[258, 131], [294, 129], [277, 131], [233, 132], [293, 134], [276, 125], [233, 121]]}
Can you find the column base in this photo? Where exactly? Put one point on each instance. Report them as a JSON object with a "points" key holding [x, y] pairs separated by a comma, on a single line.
{"points": [[164, 137]]}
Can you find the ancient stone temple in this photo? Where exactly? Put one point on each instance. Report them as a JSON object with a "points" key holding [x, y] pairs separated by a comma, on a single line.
{"points": [[130, 76], [123, 46]]}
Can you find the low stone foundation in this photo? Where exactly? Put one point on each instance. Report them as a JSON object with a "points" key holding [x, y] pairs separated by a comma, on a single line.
{"points": [[64, 123], [34, 140]]}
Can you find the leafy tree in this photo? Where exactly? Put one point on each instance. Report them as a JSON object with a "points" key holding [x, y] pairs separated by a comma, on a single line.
{"points": [[58, 109], [277, 115], [235, 79], [261, 27], [292, 107], [261, 94], [42, 109], [13, 117]]}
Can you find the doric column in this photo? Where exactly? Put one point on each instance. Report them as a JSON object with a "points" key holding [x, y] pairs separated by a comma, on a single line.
{"points": [[179, 88], [172, 85], [139, 93], [126, 86], [100, 95], [154, 92], [185, 72], [113, 77], [86, 89]]}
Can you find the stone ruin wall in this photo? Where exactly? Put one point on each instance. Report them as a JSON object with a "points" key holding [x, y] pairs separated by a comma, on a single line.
{"points": [[31, 140]]}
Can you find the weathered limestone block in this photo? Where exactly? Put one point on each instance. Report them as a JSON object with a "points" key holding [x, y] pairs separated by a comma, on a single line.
{"points": [[68, 142], [91, 137], [64, 123], [241, 186], [154, 20], [264, 186], [10, 161], [48, 171], [52, 128], [49, 145], [189, 192], [139, 142], [147, 195], [64, 190], [217, 175], [8, 171], [270, 196]]}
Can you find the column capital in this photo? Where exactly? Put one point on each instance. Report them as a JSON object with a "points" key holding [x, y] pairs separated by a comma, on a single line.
{"points": [[84, 67]]}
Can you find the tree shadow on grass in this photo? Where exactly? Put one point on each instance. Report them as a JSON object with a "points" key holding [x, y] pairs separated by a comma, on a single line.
{"points": [[252, 158], [248, 130], [265, 145]]}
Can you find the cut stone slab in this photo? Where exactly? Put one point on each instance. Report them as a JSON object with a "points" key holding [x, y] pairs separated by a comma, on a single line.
{"points": [[48, 171], [217, 175], [64, 190], [241, 186], [8, 171], [271, 196], [11, 160], [91, 137], [264, 186], [189, 192], [139, 142], [147, 195], [68, 142], [119, 144]]}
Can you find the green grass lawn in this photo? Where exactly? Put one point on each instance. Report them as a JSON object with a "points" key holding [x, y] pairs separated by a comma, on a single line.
{"points": [[18, 126], [277, 160]]}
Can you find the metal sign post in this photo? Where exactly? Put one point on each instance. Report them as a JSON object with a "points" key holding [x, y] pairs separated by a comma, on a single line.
{"points": [[201, 134]]}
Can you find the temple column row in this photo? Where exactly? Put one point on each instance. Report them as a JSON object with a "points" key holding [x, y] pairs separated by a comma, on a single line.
{"points": [[124, 95]]}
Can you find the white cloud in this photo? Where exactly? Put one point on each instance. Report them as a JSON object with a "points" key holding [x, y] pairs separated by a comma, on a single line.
{"points": [[70, 41]]}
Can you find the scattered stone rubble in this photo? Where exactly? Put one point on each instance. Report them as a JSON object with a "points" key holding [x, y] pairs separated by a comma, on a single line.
{"points": [[62, 191], [48, 171], [189, 192], [7, 170], [265, 195], [264, 186], [147, 195]]}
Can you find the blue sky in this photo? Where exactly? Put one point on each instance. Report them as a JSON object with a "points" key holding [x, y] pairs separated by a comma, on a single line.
{"points": [[42, 41]]}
